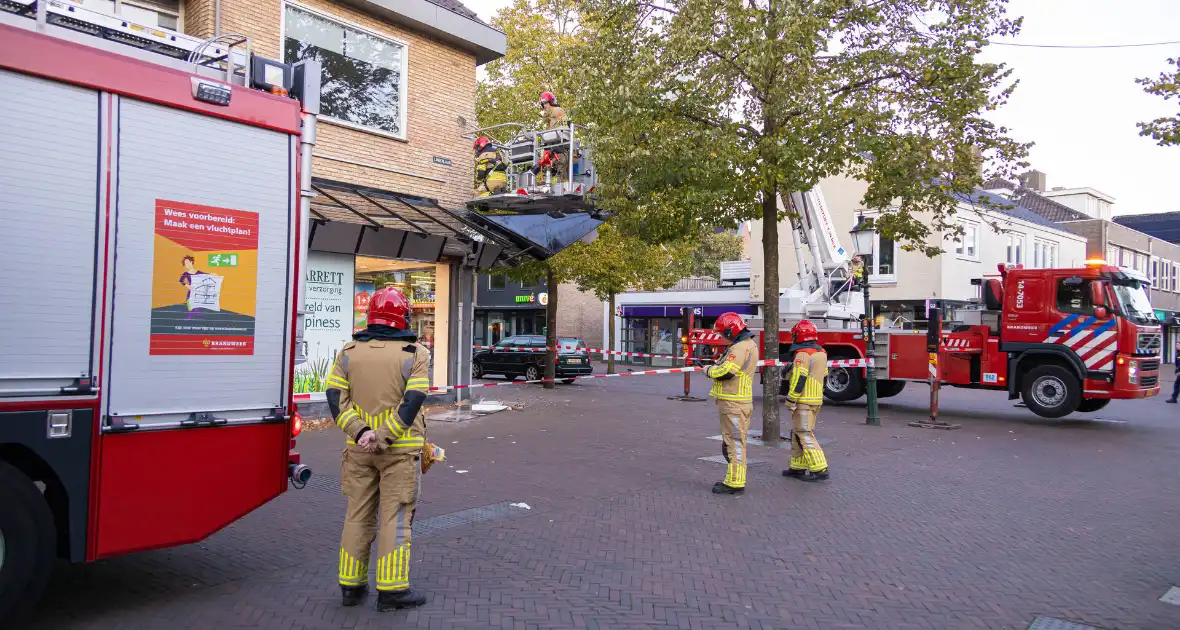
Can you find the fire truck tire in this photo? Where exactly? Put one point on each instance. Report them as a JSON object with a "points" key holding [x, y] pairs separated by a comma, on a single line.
{"points": [[1051, 391], [27, 543], [889, 389], [844, 384], [1090, 405]]}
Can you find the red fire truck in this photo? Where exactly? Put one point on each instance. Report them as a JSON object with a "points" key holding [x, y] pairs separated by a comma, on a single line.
{"points": [[1062, 340], [152, 211]]}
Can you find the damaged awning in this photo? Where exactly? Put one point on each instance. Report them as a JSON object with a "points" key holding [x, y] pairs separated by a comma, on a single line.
{"points": [[351, 219]]}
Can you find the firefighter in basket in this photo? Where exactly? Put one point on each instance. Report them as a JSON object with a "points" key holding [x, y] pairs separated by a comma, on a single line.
{"points": [[491, 172], [552, 116], [375, 392], [733, 387], [805, 396]]}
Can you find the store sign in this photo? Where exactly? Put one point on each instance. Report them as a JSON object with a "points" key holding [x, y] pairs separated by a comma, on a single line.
{"points": [[329, 303], [543, 299], [526, 299]]}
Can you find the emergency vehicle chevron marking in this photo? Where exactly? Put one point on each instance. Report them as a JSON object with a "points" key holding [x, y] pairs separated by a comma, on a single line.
{"points": [[1094, 345]]}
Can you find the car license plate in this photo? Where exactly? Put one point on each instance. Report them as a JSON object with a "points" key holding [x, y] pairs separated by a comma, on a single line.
{"points": [[575, 360]]}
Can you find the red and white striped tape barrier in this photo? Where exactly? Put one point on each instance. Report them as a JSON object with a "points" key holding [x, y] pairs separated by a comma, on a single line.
{"points": [[679, 370], [593, 351]]}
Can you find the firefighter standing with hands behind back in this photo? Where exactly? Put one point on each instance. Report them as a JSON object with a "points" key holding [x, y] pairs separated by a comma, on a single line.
{"points": [[375, 392], [733, 387], [805, 396]]}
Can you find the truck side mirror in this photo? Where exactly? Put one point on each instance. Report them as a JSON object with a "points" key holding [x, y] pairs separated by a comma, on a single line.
{"points": [[1098, 294], [1100, 312]]}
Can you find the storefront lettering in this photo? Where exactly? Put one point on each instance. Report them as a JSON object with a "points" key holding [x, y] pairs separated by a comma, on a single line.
{"points": [[525, 299]]}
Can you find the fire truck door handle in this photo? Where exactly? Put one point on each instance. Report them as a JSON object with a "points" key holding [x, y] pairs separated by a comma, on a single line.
{"points": [[277, 415], [203, 419], [118, 425]]}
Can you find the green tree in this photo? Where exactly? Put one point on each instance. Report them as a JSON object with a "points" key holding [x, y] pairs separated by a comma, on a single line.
{"points": [[713, 249], [542, 38], [705, 110], [1164, 130], [616, 262]]}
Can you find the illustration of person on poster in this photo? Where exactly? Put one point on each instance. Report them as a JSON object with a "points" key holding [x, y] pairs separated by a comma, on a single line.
{"points": [[186, 280]]}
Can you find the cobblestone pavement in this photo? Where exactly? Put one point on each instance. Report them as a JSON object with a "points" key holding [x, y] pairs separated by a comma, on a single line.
{"points": [[1008, 518]]}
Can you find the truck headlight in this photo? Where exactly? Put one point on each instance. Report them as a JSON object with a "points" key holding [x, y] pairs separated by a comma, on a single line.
{"points": [[1133, 372]]}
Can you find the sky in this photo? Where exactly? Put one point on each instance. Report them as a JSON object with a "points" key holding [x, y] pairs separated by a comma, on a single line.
{"points": [[1080, 106]]}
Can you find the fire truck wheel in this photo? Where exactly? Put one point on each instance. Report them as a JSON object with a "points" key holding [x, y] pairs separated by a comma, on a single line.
{"points": [[1090, 405], [844, 384], [889, 389], [1051, 391], [27, 543]]}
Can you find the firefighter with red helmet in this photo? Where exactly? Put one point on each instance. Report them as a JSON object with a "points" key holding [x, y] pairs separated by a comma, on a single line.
{"points": [[375, 392], [552, 116], [805, 396], [733, 387], [491, 172]]}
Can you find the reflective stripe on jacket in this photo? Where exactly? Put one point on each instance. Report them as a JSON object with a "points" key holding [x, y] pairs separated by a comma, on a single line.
{"points": [[807, 377], [733, 377]]}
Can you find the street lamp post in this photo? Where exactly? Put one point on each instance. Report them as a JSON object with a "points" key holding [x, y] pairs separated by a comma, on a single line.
{"points": [[863, 236]]}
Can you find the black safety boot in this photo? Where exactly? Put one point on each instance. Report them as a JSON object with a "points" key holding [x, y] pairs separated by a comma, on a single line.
{"points": [[1171, 400], [794, 472], [721, 488], [393, 600], [813, 476], [352, 595]]}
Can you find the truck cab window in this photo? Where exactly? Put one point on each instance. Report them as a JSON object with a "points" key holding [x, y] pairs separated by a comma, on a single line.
{"points": [[1073, 296]]}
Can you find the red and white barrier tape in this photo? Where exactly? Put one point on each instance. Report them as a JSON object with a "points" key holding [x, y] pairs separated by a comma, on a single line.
{"points": [[679, 370], [593, 351]]}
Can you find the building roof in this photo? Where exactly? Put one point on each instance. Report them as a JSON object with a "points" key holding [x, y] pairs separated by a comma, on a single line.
{"points": [[1162, 225], [1045, 207], [1015, 208], [458, 7]]}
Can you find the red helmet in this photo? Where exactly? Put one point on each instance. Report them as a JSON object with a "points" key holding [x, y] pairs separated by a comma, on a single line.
{"points": [[481, 143], [729, 325], [547, 97], [804, 331], [388, 307]]}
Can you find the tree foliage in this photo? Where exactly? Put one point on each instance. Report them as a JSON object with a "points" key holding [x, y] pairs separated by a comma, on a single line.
{"points": [[704, 108], [713, 249], [542, 38], [616, 262], [1164, 130]]}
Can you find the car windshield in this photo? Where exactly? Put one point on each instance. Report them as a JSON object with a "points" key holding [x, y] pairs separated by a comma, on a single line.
{"points": [[1133, 300], [572, 342]]}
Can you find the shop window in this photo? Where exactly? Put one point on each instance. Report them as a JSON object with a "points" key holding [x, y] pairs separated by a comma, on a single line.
{"points": [[415, 281], [364, 74]]}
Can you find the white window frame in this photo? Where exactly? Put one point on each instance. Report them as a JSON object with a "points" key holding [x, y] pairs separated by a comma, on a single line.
{"points": [[875, 277], [1112, 254], [1175, 277], [403, 88], [1045, 253], [961, 241], [1016, 246], [1153, 271]]}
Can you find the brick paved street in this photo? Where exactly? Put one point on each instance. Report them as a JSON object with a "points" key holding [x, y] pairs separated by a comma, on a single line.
{"points": [[989, 526]]}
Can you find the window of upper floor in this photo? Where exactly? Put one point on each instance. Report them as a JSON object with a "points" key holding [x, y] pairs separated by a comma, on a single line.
{"points": [[881, 265], [1015, 249], [967, 244], [165, 14], [1044, 254], [497, 282], [364, 73]]}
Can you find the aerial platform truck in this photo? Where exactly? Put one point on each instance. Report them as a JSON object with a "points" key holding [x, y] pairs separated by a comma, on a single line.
{"points": [[154, 194], [1061, 340]]}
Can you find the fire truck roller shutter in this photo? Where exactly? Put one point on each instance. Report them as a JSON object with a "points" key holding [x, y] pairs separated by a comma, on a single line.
{"points": [[202, 203], [49, 189]]}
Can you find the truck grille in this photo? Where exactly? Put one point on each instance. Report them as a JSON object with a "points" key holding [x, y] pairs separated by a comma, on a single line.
{"points": [[1149, 343], [1149, 365], [1149, 381]]}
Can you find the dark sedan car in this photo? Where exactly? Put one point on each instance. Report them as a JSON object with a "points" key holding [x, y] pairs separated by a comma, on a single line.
{"points": [[524, 355]]}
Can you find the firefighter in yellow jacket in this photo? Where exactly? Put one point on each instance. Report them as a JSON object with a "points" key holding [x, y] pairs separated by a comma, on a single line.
{"points": [[375, 392], [805, 396], [491, 172], [733, 387]]}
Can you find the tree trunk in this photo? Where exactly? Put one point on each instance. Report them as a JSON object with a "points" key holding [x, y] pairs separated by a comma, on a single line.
{"points": [[770, 385], [551, 332], [610, 336]]}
